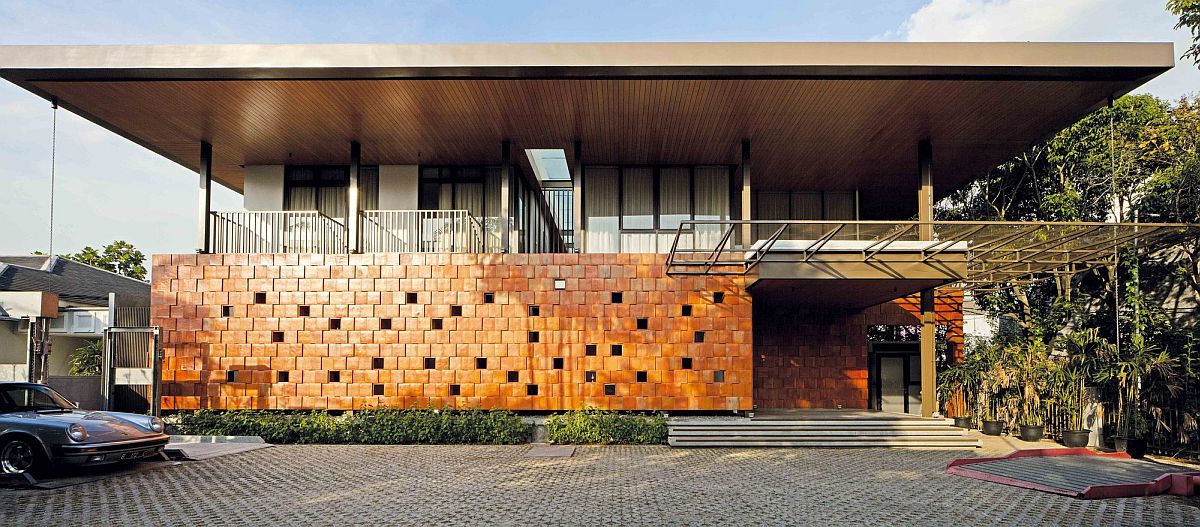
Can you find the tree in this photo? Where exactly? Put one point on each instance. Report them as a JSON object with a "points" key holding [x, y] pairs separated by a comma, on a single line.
{"points": [[119, 257], [1188, 12]]}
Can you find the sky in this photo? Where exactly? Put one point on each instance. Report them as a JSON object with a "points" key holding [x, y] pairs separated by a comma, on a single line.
{"points": [[108, 188]]}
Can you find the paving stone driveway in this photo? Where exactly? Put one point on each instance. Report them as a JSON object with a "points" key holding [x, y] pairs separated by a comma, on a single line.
{"points": [[352, 485]]}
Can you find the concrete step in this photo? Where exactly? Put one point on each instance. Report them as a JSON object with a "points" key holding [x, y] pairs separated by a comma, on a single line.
{"points": [[815, 433], [825, 443], [875, 432]]}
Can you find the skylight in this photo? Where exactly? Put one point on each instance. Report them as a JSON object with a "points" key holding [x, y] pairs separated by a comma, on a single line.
{"points": [[550, 164]]}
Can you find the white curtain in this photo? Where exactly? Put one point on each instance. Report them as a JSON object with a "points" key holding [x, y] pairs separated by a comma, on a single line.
{"points": [[601, 207], [637, 198]]}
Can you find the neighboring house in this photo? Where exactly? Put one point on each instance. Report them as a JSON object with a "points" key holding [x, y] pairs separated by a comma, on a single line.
{"points": [[668, 226], [69, 300]]}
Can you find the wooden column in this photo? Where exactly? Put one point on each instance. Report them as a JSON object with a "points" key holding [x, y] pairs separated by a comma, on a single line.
{"points": [[747, 230], [580, 233], [505, 195], [203, 224], [352, 198], [925, 191], [929, 402]]}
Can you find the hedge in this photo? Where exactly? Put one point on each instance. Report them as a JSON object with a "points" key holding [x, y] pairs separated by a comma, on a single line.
{"points": [[372, 427], [592, 426]]}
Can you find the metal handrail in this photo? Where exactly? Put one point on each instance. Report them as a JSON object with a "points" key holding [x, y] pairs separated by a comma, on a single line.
{"points": [[275, 232], [422, 231]]}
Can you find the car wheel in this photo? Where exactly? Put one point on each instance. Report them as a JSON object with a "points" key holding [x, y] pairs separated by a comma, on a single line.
{"points": [[18, 456]]}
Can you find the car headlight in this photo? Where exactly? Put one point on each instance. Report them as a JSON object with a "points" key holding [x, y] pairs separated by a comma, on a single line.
{"points": [[156, 424], [77, 432]]}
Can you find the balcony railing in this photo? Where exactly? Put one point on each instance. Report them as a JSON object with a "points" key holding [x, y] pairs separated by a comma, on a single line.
{"points": [[276, 232], [408, 231], [421, 231]]}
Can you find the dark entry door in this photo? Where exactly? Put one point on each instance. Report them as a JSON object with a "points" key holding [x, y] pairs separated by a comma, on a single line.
{"points": [[897, 381]]}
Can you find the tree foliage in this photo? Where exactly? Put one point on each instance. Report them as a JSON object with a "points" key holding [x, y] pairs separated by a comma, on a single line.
{"points": [[119, 257], [1188, 12]]}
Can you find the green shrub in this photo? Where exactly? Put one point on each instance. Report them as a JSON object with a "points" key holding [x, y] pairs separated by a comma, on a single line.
{"points": [[592, 426], [377, 427]]}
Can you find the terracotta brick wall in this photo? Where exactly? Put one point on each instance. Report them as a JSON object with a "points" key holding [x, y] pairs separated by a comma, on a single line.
{"points": [[818, 358], [232, 323]]}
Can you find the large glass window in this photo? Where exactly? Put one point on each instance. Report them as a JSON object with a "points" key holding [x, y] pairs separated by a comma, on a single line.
{"points": [[640, 209], [325, 189]]}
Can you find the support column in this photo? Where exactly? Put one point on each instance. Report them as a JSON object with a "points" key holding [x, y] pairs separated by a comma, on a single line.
{"points": [[203, 224], [747, 229], [929, 402], [580, 234], [925, 192], [352, 198], [505, 195]]}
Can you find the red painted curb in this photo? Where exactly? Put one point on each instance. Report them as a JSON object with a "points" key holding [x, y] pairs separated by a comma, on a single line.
{"points": [[1177, 483]]}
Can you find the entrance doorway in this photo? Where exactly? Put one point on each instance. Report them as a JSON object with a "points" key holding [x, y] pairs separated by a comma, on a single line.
{"points": [[894, 377]]}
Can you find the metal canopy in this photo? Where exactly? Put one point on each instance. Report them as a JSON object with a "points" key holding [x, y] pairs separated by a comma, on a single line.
{"points": [[995, 251]]}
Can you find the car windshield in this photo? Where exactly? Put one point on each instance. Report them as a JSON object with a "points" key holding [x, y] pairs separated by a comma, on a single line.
{"points": [[29, 397]]}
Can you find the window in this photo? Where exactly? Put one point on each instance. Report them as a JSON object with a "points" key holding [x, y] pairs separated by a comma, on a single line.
{"points": [[385, 323], [514, 376], [471, 188], [616, 350], [377, 363], [455, 389], [335, 323], [535, 311], [639, 208], [227, 311], [325, 189], [376, 389], [282, 376], [589, 376], [430, 363], [558, 363], [335, 376], [642, 376], [481, 363], [531, 389], [686, 363], [456, 311], [305, 311], [589, 350]]}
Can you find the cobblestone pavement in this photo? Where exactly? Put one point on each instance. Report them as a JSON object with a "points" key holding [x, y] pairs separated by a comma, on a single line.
{"points": [[453, 485]]}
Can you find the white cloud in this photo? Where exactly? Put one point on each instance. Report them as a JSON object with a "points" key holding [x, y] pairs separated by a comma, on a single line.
{"points": [[1057, 20]]}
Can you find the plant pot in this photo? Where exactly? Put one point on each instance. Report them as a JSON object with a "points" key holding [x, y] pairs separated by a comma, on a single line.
{"points": [[1076, 438], [993, 428], [1134, 446], [963, 422], [1032, 433]]}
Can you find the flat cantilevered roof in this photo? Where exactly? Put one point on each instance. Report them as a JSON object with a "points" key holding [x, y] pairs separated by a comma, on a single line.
{"points": [[828, 116]]}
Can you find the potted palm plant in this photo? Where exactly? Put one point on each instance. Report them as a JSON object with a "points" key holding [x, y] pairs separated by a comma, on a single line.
{"points": [[957, 385], [994, 383], [1139, 363], [1031, 366], [1085, 349]]}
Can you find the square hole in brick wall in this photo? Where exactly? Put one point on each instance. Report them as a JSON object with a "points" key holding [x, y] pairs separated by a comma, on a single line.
{"points": [[535, 336], [616, 350], [436, 323], [589, 350], [514, 376], [641, 376], [227, 311], [719, 376], [305, 311], [455, 389], [335, 376], [282, 376], [610, 389], [276, 336], [718, 297], [618, 297], [385, 323], [686, 310], [456, 311], [686, 363], [531, 389], [560, 284], [231, 376], [260, 298], [589, 376], [430, 363], [698, 337], [558, 363], [643, 323], [335, 323], [489, 298], [376, 389], [377, 363], [535, 311], [410, 298], [481, 363]]}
